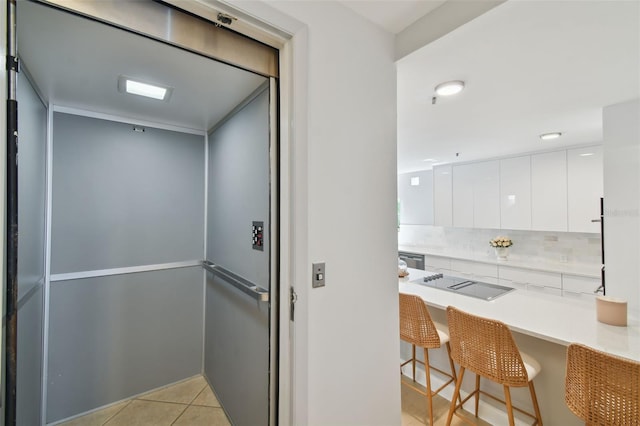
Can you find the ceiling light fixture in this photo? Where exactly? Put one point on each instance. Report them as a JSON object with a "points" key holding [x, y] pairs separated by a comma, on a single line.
{"points": [[137, 87], [430, 160], [449, 88], [550, 136], [586, 154]]}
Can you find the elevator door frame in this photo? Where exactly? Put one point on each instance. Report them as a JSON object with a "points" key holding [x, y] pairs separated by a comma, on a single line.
{"points": [[279, 336]]}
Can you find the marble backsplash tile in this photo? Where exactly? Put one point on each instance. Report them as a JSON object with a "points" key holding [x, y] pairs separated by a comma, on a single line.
{"points": [[544, 246]]}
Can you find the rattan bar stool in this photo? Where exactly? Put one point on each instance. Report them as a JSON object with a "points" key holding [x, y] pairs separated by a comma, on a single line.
{"points": [[602, 389], [486, 347], [417, 328]]}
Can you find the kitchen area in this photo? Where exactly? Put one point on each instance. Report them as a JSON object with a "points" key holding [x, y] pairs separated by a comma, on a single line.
{"points": [[518, 169]]}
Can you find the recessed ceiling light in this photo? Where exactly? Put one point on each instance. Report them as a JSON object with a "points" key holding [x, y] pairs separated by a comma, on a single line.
{"points": [[140, 88], [586, 154], [549, 136], [430, 160], [449, 88]]}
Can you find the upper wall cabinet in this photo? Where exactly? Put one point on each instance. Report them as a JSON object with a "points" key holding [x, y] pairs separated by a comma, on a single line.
{"points": [[549, 191], [515, 193], [443, 195], [476, 193], [486, 195], [585, 187], [463, 177], [415, 193]]}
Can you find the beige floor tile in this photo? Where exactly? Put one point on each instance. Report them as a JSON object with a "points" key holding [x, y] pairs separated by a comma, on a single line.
{"points": [[414, 410], [202, 416], [182, 393], [206, 398], [147, 413], [97, 418]]}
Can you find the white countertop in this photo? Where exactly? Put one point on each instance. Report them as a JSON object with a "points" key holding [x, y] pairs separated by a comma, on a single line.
{"points": [[557, 319], [585, 270]]}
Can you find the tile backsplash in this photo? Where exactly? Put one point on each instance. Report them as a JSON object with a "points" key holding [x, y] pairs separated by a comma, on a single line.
{"points": [[545, 246]]}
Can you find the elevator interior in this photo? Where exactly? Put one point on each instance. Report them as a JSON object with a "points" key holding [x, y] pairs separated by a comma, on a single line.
{"points": [[121, 200]]}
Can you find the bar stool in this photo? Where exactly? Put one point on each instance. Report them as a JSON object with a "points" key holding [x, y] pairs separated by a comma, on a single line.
{"points": [[486, 347], [602, 389], [417, 328]]}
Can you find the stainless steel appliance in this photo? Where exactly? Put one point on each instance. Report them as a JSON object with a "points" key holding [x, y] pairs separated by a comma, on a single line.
{"points": [[414, 260], [475, 289]]}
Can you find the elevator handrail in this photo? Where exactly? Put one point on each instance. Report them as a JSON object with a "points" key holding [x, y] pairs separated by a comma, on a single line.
{"points": [[258, 293]]}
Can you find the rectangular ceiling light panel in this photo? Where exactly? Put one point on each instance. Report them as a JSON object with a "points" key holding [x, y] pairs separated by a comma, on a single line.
{"points": [[136, 87]]}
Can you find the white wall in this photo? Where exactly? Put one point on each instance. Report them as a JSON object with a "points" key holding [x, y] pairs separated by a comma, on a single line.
{"points": [[622, 201], [344, 176]]}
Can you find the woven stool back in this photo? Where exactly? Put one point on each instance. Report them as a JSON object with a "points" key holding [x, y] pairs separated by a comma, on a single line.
{"points": [[416, 326], [486, 347], [601, 388]]}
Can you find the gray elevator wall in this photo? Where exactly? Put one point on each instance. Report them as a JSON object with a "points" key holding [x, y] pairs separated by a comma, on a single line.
{"points": [[236, 326], [239, 191], [124, 198], [114, 337], [32, 128]]}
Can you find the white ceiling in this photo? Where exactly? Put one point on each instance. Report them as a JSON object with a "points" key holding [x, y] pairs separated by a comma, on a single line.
{"points": [[394, 16], [530, 67], [76, 62]]}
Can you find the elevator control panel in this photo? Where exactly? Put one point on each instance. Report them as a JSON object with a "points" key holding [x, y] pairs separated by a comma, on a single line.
{"points": [[317, 280], [257, 235]]}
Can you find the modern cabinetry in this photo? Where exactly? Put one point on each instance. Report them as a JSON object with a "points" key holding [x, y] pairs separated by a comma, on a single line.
{"points": [[476, 193], [578, 286], [486, 195], [515, 193], [549, 191], [437, 264], [477, 271], [463, 195], [584, 188], [547, 282], [442, 195]]}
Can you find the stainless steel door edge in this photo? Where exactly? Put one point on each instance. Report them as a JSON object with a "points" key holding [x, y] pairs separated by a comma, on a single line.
{"points": [[180, 29]]}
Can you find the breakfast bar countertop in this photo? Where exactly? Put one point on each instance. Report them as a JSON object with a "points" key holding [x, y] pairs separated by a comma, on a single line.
{"points": [[553, 318]]}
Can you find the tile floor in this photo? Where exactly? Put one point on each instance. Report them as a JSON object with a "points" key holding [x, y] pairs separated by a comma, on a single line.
{"points": [[415, 413], [189, 403], [193, 403]]}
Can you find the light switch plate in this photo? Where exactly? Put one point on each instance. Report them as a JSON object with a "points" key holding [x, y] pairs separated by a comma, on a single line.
{"points": [[318, 275]]}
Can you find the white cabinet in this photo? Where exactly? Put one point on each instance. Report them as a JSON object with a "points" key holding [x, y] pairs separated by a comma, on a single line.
{"points": [[415, 193], [476, 195], [547, 282], [463, 177], [484, 272], [577, 286], [486, 195], [585, 187], [549, 191], [442, 195], [515, 193], [437, 264]]}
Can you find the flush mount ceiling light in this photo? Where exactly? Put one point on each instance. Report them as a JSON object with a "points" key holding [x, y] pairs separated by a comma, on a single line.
{"points": [[430, 160], [449, 88], [140, 88], [550, 136]]}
